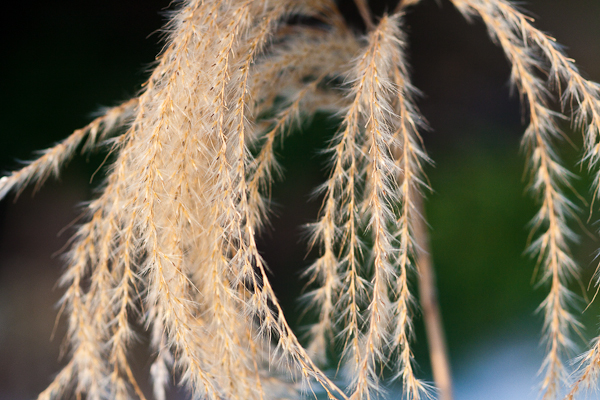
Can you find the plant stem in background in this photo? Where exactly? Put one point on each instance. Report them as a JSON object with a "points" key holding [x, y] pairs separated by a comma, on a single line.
{"points": [[428, 297], [365, 14]]}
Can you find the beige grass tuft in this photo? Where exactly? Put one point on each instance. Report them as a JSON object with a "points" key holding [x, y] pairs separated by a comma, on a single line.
{"points": [[171, 239]]}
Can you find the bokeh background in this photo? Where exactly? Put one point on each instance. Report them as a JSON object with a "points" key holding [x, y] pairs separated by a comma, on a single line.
{"points": [[62, 61]]}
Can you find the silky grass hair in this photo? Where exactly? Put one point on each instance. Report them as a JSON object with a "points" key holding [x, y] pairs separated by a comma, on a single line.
{"points": [[171, 239]]}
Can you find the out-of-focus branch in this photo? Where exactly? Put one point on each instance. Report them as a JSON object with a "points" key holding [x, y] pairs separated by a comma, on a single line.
{"points": [[402, 4], [365, 13], [438, 351]]}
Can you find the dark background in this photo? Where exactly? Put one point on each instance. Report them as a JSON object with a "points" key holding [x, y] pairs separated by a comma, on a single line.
{"points": [[61, 61]]}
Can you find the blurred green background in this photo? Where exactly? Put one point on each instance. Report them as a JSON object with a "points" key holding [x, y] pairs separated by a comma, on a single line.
{"points": [[63, 60]]}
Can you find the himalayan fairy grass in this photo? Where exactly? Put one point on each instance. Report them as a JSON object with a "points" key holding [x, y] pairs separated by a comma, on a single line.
{"points": [[171, 239]]}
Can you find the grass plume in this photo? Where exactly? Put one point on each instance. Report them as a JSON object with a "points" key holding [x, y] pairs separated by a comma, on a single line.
{"points": [[171, 240]]}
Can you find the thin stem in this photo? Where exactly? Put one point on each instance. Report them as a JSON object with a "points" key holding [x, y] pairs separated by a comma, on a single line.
{"points": [[365, 14], [402, 4], [438, 351]]}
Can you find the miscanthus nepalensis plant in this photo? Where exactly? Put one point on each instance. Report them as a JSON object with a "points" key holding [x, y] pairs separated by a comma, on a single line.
{"points": [[171, 239]]}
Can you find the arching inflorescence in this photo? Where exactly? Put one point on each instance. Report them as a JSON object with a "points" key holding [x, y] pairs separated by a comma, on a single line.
{"points": [[171, 240]]}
